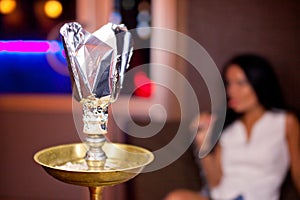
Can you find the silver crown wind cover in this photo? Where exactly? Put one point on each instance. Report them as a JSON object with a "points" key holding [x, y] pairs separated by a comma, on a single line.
{"points": [[97, 63]]}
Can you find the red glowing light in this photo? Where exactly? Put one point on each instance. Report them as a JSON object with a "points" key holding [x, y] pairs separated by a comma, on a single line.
{"points": [[143, 85]]}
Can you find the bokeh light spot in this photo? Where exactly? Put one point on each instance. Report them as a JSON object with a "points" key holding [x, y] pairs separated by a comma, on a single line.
{"points": [[7, 6], [53, 9]]}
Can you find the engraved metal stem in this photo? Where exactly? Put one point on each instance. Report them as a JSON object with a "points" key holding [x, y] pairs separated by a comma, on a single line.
{"points": [[95, 117]]}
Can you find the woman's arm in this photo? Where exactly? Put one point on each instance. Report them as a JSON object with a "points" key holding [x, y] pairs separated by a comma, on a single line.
{"points": [[293, 138], [211, 163]]}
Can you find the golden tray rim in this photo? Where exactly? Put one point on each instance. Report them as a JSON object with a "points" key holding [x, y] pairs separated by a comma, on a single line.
{"points": [[51, 148]]}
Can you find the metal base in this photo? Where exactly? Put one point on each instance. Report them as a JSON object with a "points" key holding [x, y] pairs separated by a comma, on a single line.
{"points": [[122, 164]]}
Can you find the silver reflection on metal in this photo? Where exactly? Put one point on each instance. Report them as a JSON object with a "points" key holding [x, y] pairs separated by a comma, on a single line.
{"points": [[97, 63]]}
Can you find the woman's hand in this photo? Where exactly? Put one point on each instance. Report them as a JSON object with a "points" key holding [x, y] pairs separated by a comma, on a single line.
{"points": [[201, 123], [210, 163]]}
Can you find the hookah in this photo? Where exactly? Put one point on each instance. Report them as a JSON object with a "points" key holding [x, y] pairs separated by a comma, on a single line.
{"points": [[97, 63]]}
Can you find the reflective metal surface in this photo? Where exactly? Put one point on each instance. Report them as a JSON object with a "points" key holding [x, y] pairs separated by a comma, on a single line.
{"points": [[124, 162], [97, 61]]}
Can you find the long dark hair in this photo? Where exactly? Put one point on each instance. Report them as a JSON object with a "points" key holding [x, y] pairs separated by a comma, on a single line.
{"points": [[263, 80]]}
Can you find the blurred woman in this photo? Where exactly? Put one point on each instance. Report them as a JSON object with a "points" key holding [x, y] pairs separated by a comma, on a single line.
{"points": [[260, 141]]}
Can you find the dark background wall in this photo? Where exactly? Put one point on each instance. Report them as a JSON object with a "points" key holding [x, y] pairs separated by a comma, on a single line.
{"points": [[270, 28]]}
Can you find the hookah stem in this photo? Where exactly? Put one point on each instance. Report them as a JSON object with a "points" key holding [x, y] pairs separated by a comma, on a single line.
{"points": [[96, 193]]}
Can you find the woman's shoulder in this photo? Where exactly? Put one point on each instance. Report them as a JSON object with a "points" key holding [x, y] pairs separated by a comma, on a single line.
{"points": [[292, 123], [290, 117], [275, 116]]}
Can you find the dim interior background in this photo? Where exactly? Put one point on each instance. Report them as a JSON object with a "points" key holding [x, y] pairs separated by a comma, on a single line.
{"points": [[35, 94]]}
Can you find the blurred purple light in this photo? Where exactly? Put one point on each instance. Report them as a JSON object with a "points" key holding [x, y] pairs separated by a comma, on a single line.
{"points": [[30, 46]]}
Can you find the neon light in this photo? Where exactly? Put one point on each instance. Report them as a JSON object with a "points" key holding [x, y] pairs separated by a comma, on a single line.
{"points": [[30, 46]]}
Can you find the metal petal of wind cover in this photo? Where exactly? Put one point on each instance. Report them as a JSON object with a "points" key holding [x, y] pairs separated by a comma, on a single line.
{"points": [[97, 62]]}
